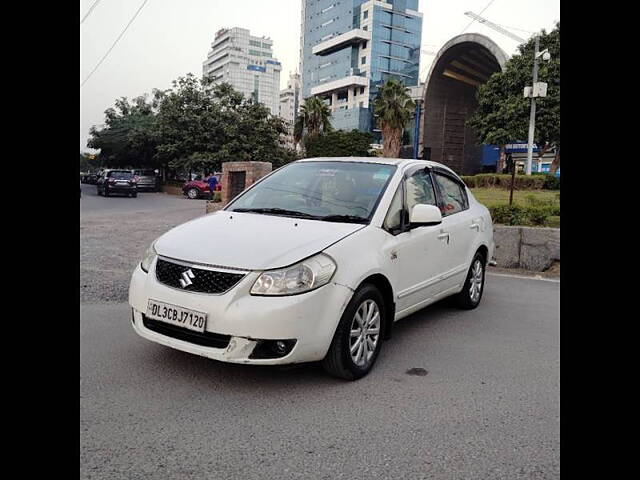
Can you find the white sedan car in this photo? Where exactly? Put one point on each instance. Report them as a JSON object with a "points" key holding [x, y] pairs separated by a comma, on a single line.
{"points": [[315, 262]]}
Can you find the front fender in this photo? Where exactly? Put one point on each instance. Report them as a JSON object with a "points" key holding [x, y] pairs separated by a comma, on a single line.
{"points": [[355, 264]]}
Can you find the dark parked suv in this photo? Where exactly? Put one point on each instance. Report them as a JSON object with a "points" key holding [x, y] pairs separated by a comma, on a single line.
{"points": [[117, 181], [147, 179]]}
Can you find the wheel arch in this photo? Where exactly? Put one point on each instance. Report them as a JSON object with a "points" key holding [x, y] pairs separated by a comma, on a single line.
{"points": [[382, 283], [484, 250]]}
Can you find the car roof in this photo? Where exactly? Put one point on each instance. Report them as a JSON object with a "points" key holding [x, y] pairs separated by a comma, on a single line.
{"points": [[399, 162]]}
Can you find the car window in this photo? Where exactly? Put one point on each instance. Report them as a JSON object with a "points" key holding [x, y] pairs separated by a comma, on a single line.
{"points": [[453, 195], [121, 175], [419, 189], [393, 220], [321, 188]]}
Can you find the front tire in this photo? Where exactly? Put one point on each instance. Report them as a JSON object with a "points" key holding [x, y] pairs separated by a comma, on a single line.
{"points": [[105, 191], [471, 294], [358, 337], [192, 193]]}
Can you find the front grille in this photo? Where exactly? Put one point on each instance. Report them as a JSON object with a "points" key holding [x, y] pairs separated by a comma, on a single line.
{"points": [[202, 281], [206, 339]]}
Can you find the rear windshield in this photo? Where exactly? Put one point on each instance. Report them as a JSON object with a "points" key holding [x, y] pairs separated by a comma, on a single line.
{"points": [[121, 175]]}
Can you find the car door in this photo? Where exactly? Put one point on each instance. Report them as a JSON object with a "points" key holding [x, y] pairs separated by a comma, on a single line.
{"points": [[458, 224], [416, 253]]}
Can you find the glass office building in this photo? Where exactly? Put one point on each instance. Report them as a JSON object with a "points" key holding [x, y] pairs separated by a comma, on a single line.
{"points": [[348, 48], [247, 63]]}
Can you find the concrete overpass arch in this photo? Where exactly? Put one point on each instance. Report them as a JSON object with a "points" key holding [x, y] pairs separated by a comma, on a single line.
{"points": [[462, 64]]}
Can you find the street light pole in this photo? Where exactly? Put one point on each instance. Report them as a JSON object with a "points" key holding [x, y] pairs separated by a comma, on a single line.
{"points": [[416, 129], [532, 115]]}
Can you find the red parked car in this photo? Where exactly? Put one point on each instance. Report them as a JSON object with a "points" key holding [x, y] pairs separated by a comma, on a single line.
{"points": [[198, 188]]}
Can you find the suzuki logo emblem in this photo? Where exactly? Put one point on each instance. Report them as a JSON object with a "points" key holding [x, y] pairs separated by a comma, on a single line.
{"points": [[185, 281]]}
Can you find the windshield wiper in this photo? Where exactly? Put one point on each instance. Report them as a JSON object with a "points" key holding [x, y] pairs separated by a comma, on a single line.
{"points": [[276, 211], [344, 218]]}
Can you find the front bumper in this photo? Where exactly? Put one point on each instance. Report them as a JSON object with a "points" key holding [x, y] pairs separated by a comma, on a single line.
{"points": [[310, 318]]}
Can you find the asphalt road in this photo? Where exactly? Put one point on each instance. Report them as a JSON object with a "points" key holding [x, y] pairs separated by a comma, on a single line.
{"points": [[92, 205], [487, 408], [116, 231]]}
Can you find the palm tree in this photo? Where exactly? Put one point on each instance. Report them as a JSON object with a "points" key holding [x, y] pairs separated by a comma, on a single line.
{"points": [[393, 108], [313, 117]]}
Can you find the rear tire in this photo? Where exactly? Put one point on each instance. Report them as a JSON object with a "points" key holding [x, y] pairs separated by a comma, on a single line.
{"points": [[471, 294], [105, 192], [340, 361], [134, 194]]}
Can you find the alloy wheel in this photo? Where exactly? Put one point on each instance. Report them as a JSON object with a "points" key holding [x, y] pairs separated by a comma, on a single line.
{"points": [[476, 281], [365, 333]]}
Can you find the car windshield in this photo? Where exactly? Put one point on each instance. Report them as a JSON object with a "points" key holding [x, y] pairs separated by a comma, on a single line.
{"points": [[145, 173], [121, 175], [330, 191]]}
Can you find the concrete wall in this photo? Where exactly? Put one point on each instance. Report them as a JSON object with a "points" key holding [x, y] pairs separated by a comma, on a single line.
{"points": [[530, 248]]}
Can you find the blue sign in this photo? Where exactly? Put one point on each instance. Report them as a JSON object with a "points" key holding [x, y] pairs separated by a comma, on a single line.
{"points": [[490, 154], [519, 147], [257, 68], [273, 62]]}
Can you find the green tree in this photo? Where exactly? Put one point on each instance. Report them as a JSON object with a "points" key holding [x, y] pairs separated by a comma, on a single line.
{"points": [[84, 163], [393, 109], [502, 115], [186, 127], [195, 125], [339, 143], [126, 139], [313, 118], [200, 125]]}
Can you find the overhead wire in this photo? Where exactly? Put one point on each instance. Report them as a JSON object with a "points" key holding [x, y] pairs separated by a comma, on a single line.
{"points": [[90, 10], [114, 43]]}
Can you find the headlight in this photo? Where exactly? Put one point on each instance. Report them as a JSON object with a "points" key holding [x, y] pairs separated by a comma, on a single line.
{"points": [[149, 255], [301, 277]]}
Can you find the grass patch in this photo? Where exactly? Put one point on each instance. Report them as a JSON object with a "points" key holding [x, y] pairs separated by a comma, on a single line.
{"points": [[496, 196], [530, 207]]}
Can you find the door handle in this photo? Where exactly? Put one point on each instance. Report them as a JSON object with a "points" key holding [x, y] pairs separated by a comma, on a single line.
{"points": [[475, 225], [444, 235]]}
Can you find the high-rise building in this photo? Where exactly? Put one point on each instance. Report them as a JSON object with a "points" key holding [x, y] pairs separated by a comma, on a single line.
{"points": [[348, 48], [247, 63], [290, 98], [289, 104]]}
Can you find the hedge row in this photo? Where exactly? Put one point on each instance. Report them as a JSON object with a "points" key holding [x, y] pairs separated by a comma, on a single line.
{"points": [[532, 214], [522, 182]]}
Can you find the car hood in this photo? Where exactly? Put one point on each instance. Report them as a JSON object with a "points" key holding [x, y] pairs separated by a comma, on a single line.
{"points": [[250, 241]]}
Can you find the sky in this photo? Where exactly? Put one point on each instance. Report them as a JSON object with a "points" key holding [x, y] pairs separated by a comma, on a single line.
{"points": [[170, 38]]}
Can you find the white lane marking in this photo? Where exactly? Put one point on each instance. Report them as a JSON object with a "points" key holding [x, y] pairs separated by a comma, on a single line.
{"points": [[536, 277]]}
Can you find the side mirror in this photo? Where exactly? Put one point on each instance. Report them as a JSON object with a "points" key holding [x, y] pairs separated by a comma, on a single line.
{"points": [[423, 215], [157, 171]]}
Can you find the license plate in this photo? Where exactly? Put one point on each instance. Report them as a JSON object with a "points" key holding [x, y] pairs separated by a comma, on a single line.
{"points": [[181, 317]]}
